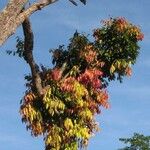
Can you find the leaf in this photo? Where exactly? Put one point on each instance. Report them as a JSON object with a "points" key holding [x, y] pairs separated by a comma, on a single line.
{"points": [[112, 69], [47, 105], [68, 124], [118, 64]]}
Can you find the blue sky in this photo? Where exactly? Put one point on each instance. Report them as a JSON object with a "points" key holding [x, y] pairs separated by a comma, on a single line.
{"points": [[130, 101]]}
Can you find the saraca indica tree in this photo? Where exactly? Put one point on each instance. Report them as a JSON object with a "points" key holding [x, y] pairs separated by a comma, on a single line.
{"points": [[75, 88]]}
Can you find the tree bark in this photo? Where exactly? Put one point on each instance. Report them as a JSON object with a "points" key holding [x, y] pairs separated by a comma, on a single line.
{"points": [[28, 56], [12, 16]]}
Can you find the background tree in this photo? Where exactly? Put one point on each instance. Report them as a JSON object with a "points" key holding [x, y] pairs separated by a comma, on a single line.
{"points": [[136, 142]]}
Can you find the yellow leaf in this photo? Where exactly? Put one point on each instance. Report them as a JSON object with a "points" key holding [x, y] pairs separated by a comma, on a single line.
{"points": [[112, 69]]}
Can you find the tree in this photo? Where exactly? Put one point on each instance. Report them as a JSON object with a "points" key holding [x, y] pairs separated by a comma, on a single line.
{"points": [[136, 142], [60, 103]]}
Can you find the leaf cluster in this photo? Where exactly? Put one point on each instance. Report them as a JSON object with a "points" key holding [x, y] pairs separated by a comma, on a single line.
{"points": [[136, 142]]}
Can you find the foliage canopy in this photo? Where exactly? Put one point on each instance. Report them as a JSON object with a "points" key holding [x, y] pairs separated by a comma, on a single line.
{"points": [[75, 88]]}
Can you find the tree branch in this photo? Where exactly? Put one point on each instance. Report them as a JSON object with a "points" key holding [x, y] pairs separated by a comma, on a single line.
{"points": [[28, 56], [8, 18], [33, 8], [12, 17]]}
